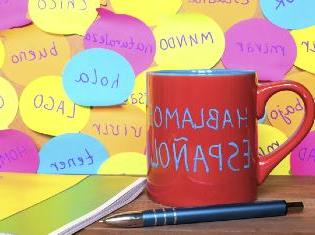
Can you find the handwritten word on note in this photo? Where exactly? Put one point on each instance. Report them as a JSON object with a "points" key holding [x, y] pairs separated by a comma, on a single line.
{"points": [[8, 103], [303, 156], [63, 16], [286, 109], [128, 163], [289, 14], [305, 43], [149, 11], [138, 96], [188, 41], [13, 13], [271, 53], [235, 10], [98, 77], [45, 108], [120, 129], [2, 54], [124, 34], [72, 154], [269, 139], [31, 53], [18, 152]]}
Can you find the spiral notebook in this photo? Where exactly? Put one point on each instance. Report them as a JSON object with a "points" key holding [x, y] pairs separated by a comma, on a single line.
{"points": [[61, 204]]}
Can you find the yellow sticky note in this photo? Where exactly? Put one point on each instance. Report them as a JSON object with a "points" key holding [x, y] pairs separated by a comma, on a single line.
{"points": [[63, 16], [31, 53], [305, 43], [269, 139], [120, 128], [138, 96], [45, 108], [128, 163], [2, 54], [149, 11], [286, 109], [188, 41], [226, 13], [8, 103]]}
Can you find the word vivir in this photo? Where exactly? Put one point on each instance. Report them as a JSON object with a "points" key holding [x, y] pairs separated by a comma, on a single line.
{"points": [[261, 48], [206, 118], [282, 3], [289, 110], [50, 103], [80, 5], [12, 155], [118, 129], [32, 55], [242, 2], [129, 44], [96, 80], [309, 46], [214, 157], [74, 162], [1, 102], [186, 40]]}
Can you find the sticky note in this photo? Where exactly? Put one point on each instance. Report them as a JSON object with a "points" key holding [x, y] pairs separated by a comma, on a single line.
{"points": [[269, 139], [124, 34], [188, 41], [271, 53], [120, 129], [45, 108], [31, 53], [149, 11], [18, 152], [98, 77], [138, 96], [286, 109], [218, 9], [72, 153], [8, 103], [128, 163], [13, 13], [305, 43], [63, 16], [2, 54], [303, 156], [289, 14]]}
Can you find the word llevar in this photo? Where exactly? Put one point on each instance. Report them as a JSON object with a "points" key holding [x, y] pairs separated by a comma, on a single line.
{"points": [[289, 14], [120, 129], [31, 53], [72, 154], [8, 103], [50, 111], [188, 41], [271, 54], [236, 10], [63, 16], [135, 42], [18, 152], [98, 77]]}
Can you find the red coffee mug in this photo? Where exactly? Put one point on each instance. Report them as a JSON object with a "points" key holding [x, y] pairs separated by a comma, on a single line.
{"points": [[202, 135]]}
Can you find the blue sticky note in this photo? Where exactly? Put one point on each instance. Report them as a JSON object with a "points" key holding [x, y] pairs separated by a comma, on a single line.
{"points": [[72, 154], [98, 77], [289, 14]]}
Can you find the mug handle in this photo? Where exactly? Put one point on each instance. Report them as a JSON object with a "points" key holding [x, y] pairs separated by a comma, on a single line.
{"points": [[264, 92]]}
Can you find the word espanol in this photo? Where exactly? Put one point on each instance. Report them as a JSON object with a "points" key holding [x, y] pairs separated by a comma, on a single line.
{"points": [[242, 2], [62, 4]]}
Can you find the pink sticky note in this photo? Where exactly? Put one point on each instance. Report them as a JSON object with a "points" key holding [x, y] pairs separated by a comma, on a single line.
{"points": [[13, 13], [124, 34], [303, 156], [18, 152], [259, 45]]}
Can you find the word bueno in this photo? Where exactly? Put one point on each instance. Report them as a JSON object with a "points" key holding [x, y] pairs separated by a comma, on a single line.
{"points": [[116, 129], [62, 4], [210, 118], [289, 110], [309, 46], [96, 80], [51, 104], [186, 40], [261, 48], [1, 102], [172, 155], [12, 155], [242, 2], [282, 3]]}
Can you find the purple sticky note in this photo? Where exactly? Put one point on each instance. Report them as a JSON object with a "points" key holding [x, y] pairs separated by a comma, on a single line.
{"points": [[18, 152], [303, 157], [124, 34], [13, 13], [259, 45]]}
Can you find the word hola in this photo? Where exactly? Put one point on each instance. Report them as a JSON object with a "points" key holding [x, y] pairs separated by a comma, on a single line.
{"points": [[80, 5], [96, 80]]}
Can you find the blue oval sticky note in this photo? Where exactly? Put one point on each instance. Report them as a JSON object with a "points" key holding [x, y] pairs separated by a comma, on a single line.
{"points": [[98, 77], [72, 154], [289, 14]]}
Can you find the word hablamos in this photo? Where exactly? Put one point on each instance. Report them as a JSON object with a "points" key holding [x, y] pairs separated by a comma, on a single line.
{"points": [[62, 4], [242, 2]]}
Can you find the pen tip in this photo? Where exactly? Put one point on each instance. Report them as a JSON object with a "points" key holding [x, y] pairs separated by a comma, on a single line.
{"points": [[125, 220]]}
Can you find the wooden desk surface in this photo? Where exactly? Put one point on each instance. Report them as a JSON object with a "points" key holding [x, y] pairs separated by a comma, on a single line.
{"points": [[276, 187]]}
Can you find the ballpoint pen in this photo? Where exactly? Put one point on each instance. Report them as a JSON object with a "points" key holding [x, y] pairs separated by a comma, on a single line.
{"points": [[172, 216]]}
